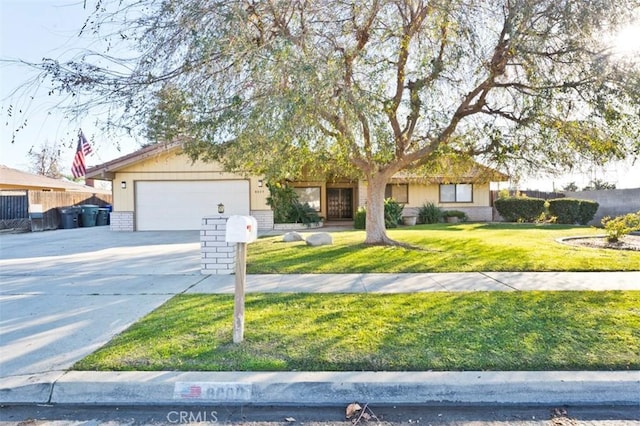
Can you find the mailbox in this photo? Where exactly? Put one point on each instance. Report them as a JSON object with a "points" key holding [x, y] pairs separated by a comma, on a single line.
{"points": [[241, 229]]}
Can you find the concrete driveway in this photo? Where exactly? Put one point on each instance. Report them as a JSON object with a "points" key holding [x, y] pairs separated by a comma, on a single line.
{"points": [[65, 293]]}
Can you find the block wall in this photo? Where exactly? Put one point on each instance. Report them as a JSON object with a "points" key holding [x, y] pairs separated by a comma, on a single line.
{"points": [[121, 221], [612, 202], [264, 218], [218, 256]]}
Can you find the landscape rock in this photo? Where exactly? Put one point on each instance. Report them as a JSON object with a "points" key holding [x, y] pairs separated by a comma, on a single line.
{"points": [[319, 239], [290, 237]]}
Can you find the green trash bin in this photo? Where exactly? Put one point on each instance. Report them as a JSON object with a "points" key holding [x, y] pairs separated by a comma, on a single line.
{"points": [[69, 217], [103, 217], [88, 215]]}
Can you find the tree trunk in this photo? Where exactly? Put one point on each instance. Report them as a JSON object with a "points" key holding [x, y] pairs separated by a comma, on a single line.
{"points": [[375, 229]]}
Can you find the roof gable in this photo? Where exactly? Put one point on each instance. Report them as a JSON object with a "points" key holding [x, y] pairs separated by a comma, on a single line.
{"points": [[107, 170]]}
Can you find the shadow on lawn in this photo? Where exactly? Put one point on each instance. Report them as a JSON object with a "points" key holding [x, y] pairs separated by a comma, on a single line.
{"points": [[373, 332], [491, 226]]}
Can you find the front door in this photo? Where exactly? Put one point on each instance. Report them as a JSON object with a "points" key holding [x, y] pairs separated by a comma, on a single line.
{"points": [[339, 203]]}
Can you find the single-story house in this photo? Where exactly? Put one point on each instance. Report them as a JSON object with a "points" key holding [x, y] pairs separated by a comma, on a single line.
{"points": [[31, 202], [17, 180], [157, 188]]}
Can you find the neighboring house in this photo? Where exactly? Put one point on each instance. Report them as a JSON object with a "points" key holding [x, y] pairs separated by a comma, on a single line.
{"points": [[31, 202], [157, 188], [13, 179]]}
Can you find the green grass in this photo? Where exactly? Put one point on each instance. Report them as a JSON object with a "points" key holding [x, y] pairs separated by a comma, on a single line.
{"points": [[390, 332], [443, 248]]}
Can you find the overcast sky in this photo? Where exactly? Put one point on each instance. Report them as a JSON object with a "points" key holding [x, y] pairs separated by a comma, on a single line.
{"points": [[34, 29]]}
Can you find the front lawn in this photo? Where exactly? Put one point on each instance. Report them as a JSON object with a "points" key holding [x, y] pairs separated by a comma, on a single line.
{"points": [[443, 248], [385, 332]]}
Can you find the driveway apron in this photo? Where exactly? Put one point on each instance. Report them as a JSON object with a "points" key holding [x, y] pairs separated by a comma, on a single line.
{"points": [[65, 293]]}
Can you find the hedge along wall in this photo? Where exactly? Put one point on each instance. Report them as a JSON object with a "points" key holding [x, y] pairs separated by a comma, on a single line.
{"points": [[613, 202], [572, 210], [515, 209]]}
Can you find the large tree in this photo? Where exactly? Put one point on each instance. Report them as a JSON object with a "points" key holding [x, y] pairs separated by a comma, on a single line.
{"points": [[45, 160], [367, 89]]}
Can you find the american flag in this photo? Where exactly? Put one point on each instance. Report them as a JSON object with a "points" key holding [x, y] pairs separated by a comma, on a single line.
{"points": [[79, 168], [192, 391]]}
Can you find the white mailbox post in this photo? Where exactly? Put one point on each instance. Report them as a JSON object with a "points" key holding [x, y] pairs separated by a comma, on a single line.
{"points": [[240, 230]]}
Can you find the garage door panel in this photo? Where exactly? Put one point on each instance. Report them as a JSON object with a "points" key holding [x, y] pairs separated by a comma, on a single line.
{"points": [[181, 205]]}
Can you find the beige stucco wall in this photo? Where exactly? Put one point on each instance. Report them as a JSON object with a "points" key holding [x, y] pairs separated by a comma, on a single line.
{"points": [[478, 210], [169, 166], [421, 193]]}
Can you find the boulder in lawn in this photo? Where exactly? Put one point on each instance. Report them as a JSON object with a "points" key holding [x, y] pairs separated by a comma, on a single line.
{"points": [[291, 237], [319, 239]]}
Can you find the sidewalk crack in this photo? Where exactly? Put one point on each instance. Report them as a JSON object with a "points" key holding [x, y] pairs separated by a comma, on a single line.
{"points": [[53, 384], [193, 285], [498, 281]]}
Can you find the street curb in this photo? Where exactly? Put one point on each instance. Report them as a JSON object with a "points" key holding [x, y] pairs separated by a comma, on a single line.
{"points": [[329, 388]]}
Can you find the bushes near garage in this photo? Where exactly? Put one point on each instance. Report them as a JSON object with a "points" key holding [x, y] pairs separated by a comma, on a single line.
{"points": [[520, 209], [571, 210], [287, 209]]}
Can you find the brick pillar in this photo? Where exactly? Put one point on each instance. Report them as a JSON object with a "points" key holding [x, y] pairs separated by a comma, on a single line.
{"points": [[121, 221], [218, 256]]}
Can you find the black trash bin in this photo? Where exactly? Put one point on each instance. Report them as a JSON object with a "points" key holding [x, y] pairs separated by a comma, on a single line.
{"points": [[110, 208], [103, 217], [69, 217], [88, 215]]}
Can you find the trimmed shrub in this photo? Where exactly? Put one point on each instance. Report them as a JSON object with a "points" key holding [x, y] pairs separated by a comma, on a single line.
{"points": [[462, 216], [566, 210], [392, 215], [360, 220], [520, 209], [588, 210], [571, 210], [429, 213], [620, 226]]}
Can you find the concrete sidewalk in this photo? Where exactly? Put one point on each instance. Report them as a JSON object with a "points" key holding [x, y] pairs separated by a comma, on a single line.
{"points": [[430, 282], [66, 293]]}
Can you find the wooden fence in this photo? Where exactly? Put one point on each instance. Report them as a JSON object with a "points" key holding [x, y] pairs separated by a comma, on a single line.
{"points": [[19, 206]]}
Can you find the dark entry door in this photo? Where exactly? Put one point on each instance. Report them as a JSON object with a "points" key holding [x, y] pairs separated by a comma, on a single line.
{"points": [[339, 203]]}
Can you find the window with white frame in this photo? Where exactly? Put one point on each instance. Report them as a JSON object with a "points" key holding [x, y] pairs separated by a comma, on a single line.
{"points": [[456, 193], [310, 195], [397, 191]]}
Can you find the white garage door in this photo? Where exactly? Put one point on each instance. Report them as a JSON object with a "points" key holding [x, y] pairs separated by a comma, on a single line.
{"points": [[181, 205]]}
